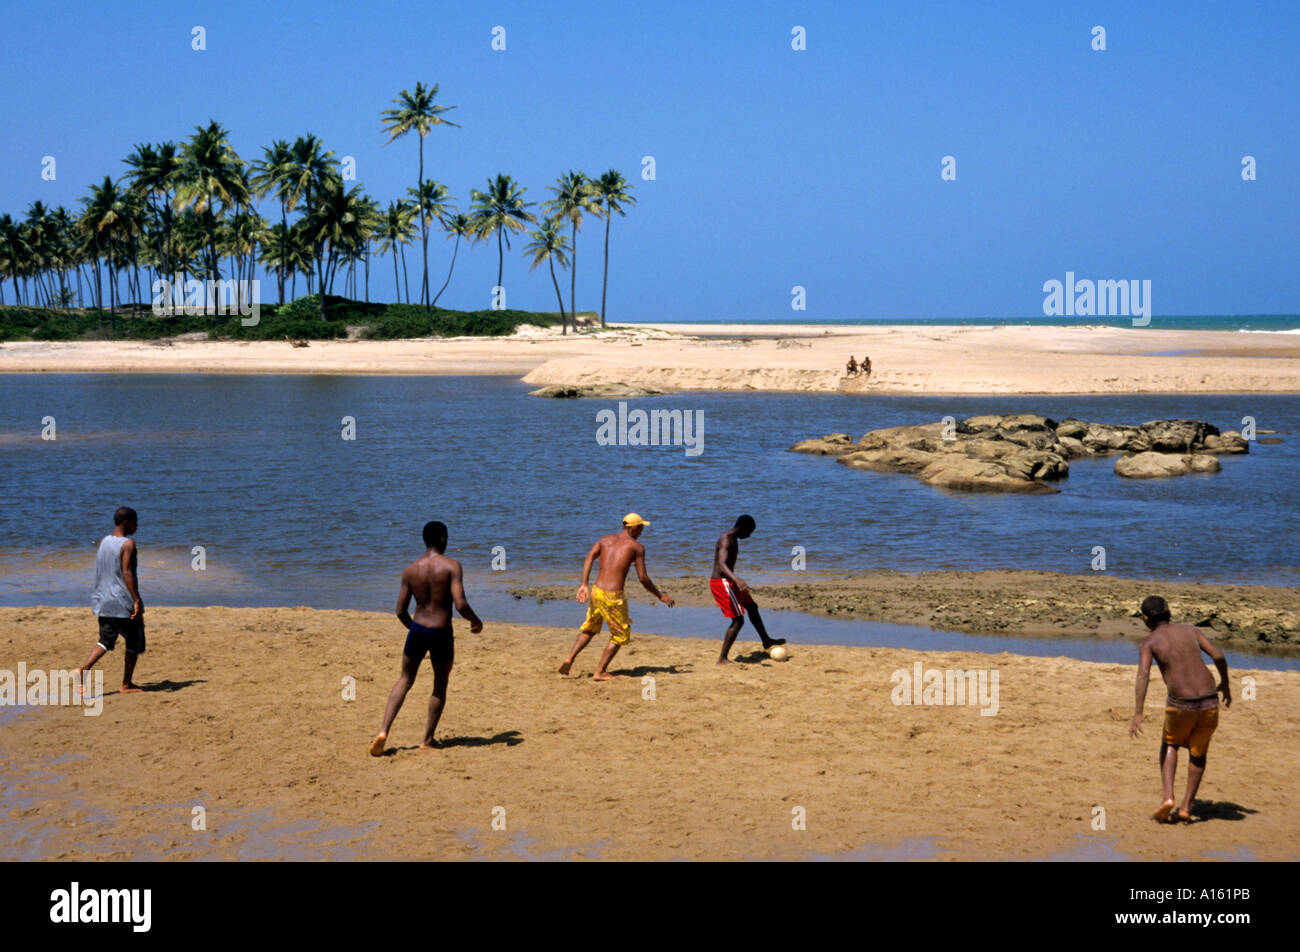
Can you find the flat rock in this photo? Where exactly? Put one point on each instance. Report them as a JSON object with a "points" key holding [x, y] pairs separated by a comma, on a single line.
{"points": [[1153, 465], [605, 390]]}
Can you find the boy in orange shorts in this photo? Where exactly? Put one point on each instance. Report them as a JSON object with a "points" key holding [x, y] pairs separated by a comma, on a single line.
{"points": [[1192, 705]]}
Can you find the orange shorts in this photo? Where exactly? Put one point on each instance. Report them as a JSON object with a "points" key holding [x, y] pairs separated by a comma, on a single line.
{"points": [[1190, 729]]}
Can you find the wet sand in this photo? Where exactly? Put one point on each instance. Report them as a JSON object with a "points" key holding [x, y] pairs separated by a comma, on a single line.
{"points": [[245, 716], [1260, 618]]}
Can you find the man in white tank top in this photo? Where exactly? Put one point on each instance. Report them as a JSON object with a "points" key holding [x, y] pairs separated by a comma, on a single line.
{"points": [[116, 599]]}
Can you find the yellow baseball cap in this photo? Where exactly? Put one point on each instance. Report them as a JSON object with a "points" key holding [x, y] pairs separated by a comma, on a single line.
{"points": [[632, 519]]}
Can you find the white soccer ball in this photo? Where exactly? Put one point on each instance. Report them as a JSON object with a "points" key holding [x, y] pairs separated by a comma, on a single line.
{"points": [[779, 653]]}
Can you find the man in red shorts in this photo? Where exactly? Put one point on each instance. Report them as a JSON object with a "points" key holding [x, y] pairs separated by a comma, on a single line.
{"points": [[730, 591]]}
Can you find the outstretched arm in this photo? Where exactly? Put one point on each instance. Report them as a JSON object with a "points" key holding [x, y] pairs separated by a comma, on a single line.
{"points": [[583, 590], [1221, 663], [404, 602], [1140, 688], [644, 576], [462, 605]]}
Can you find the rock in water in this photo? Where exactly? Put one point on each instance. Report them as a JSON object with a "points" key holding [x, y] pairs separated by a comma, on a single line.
{"points": [[1153, 465], [606, 390]]}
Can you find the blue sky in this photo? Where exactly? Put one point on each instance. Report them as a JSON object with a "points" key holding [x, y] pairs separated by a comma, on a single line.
{"points": [[774, 167]]}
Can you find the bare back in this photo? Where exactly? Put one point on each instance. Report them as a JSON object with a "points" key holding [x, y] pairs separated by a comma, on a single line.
{"points": [[725, 552], [1177, 650], [617, 553], [432, 581]]}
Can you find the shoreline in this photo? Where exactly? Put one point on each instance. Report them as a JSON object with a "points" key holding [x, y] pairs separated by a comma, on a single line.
{"points": [[973, 360], [583, 770]]}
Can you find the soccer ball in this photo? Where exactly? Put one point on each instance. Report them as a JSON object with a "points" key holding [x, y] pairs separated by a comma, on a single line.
{"points": [[779, 653]]}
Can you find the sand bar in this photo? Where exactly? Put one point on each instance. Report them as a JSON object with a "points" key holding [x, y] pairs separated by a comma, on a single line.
{"points": [[797, 358]]}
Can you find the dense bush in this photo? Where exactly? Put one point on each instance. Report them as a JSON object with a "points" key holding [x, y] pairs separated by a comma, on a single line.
{"points": [[297, 319]]}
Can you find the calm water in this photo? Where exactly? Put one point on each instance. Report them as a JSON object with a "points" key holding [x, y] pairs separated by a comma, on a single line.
{"points": [[253, 468]]}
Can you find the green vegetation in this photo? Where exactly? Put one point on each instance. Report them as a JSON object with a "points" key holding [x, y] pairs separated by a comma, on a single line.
{"points": [[298, 320]]}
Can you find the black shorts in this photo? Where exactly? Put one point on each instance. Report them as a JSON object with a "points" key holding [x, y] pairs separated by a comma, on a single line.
{"points": [[132, 632], [437, 643]]}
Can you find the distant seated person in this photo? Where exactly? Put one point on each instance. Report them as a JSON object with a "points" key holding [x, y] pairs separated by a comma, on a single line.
{"points": [[852, 367], [866, 366]]}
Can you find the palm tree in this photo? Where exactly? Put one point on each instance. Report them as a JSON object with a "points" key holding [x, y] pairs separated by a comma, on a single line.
{"points": [[574, 195], [501, 209], [338, 219], [311, 170], [550, 245], [460, 226], [38, 237], [13, 254], [417, 111], [612, 194], [153, 175], [103, 220], [396, 228], [210, 173], [273, 174]]}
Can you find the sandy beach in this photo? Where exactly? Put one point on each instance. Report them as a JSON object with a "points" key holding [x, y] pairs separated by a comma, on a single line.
{"points": [[906, 359], [244, 715]]}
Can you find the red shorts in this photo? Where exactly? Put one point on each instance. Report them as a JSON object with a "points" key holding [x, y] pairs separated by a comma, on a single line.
{"points": [[732, 601]]}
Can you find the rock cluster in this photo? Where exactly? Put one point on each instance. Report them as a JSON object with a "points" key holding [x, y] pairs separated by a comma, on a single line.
{"points": [[1024, 452]]}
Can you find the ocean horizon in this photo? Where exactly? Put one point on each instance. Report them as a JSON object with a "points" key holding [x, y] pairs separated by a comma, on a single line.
{"points": [[1250, 323]]}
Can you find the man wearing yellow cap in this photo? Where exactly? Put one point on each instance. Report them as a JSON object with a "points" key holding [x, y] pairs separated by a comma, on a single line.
{"points": [[608, 605]]}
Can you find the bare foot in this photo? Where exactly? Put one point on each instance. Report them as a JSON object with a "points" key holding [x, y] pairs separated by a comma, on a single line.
{"points": [[773, 641], [605, 676], [377, 745], [1162, 814], [436, 745], [129, 689], [724, 661], [564, 668], [81, 682], [1184, 815]]}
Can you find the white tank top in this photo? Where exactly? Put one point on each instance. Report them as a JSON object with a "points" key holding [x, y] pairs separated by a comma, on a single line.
{"points": [[111, 598]]}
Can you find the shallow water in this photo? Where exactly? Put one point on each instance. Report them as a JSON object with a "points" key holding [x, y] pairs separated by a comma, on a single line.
{"points": [[254, 470]]}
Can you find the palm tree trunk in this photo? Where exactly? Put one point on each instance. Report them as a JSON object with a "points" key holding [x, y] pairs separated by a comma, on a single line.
{"points": [[397, 282], [564, 326], [454, 249], [284, 235], [112, 293], [604, 282], [501, 260], [424, 229], [573, 275], [407, 276]]}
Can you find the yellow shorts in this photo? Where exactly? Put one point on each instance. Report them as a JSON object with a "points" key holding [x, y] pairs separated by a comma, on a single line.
{"points": [[1190, 729], [604, 607]]}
